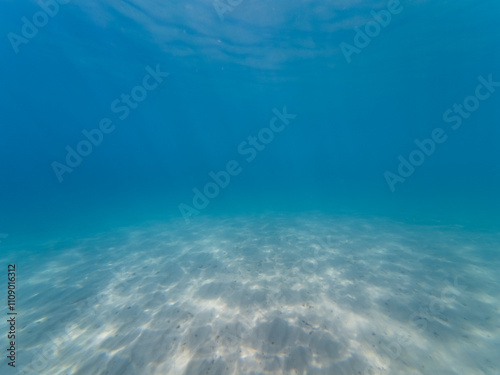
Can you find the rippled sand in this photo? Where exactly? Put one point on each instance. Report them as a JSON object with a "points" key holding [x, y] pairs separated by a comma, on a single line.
{"points": [[274, 294]]}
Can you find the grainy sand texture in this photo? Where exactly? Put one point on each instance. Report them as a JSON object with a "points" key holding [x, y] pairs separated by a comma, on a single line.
{"points": [[252, 295]]}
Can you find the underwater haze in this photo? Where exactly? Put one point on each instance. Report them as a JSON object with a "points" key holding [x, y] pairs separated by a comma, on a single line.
{"points": [[246, 187]]}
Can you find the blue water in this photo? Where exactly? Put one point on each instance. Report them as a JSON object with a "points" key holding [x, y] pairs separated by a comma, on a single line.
{"points": [[120, 113], [226, 76]]}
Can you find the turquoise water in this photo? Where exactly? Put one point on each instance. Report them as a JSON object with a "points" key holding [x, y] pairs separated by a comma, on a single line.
{"points": [[241, 187]]}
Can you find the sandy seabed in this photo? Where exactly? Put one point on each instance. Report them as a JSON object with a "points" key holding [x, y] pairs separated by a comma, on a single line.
{"points": [[274, 294]]}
